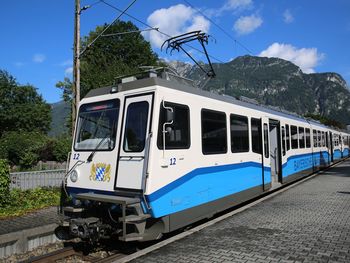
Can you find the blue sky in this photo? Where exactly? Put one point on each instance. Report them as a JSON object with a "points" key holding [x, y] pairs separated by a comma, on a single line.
{"points": [[37, 35]]}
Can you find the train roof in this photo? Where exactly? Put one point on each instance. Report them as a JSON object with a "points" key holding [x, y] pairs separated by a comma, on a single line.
{"points": [[181, 84]]}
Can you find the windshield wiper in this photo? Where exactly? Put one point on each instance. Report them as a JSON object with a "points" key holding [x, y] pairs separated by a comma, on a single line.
{"points": [[89, 159]]}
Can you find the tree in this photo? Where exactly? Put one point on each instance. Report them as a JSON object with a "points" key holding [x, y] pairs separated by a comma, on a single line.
{"points": [[22, 148], [21, 107], [113, 55], [110, 57], [326, 121], [4, 182]]}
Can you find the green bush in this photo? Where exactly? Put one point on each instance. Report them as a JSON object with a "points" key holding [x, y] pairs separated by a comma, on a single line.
{"points": [[22, 148], [4, 182], [22, 202], [25, 149], [61, 148]]}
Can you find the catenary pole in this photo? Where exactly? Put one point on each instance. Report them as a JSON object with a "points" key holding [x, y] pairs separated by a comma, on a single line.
{"points": [[76, 64]]}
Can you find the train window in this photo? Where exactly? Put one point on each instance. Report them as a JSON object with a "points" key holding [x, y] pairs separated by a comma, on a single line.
{"points": [[256, 135], [136, 127], [335, 141], [323, 139], [214, 132], [97, 126], [301, 137], [239, 133], [266, 141], [178, 133], [287, 137], [319, 139], [283, 141], [315, 137], [308, 139], [294, 134]]}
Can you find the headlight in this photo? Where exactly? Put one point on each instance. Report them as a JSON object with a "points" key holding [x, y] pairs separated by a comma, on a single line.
{"points": [[74, 176]]}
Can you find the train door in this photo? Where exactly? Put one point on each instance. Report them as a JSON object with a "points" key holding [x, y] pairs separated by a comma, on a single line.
{"points": [[275, 152], [134, 142], [331, 145], [265, 153]]}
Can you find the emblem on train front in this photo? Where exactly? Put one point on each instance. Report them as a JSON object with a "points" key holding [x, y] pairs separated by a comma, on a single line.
{"points": [[100, 172]]}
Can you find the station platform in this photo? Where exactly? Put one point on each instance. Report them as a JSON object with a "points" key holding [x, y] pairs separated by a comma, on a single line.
{"points": [[23, 233], [309, 222]]}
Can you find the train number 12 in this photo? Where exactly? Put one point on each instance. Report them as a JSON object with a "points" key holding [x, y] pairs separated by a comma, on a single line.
{"points": [[172, 161]]}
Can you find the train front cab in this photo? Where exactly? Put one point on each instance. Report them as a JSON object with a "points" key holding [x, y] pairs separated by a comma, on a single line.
{"points": [[109, 166]]}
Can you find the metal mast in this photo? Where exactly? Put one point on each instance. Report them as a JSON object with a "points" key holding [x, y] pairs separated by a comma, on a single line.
{"points": [[76, 64]]}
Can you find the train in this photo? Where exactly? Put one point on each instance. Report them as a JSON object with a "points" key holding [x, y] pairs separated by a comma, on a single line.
{"points": [[154, 154]]}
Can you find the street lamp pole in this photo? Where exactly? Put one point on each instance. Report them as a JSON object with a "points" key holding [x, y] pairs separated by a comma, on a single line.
{"points": [[76, 64]]}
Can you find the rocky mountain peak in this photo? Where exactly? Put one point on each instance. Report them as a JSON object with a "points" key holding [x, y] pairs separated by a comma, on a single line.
{"points": [[277, 82]]}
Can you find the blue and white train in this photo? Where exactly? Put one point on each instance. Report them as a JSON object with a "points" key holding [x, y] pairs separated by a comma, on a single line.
{"points": [[154, 154]]}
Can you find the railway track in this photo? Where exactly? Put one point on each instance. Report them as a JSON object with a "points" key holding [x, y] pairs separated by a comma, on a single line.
{"points": [[70, 254]]}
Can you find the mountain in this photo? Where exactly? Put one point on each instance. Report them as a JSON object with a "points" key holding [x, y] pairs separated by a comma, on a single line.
{"points": [[270, 81], [280, 83], [59, 113]]}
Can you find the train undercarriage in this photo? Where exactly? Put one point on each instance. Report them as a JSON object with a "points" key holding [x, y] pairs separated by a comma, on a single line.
{"points": [[99, 217]]}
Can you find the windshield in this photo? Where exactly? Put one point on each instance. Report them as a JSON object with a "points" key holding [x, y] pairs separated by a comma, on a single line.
{"points": [[97, 124]]}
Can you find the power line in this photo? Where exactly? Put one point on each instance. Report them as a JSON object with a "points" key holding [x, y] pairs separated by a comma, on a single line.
{"points": [[104, 30], [128, 32], [223, 30], [157, 29]]}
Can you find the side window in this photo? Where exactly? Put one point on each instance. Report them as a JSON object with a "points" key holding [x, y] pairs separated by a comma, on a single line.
{"points": [[135, 127], [256, 135], [315, 137], [287, 137], [319, 139], [301, 138], [177, 135], [308, 139], [239, 133], [323, 139], [214, 132], [283, 141], [266, 141], [294, 134]]}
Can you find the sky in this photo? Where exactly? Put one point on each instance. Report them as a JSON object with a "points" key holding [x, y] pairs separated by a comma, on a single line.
{"points": [[36, 45]]}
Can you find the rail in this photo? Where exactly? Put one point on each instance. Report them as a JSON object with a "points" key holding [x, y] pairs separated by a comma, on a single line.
{"points": [[34, 179]]}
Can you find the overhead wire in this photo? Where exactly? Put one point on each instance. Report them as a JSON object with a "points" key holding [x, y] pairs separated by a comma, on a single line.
{"points": [[128, 32], [218, 26], [106, 28], [94, 3], [157, 29]]}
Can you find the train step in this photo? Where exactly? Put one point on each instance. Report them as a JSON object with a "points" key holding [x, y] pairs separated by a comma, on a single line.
{"points": [[113, 199], [73, 209], [131, 237], [134, 218]]}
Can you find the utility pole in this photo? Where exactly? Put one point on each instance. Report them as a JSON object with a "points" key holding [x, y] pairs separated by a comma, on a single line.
{"points": [[76, 64]]}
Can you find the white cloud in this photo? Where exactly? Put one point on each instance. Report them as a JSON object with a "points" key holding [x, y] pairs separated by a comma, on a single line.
{"points": [[66, 63], [68, 71], [288, 17], [173, 21], [247, 24], [39, 58], [234, 5], [19, 64], [305, 58]]}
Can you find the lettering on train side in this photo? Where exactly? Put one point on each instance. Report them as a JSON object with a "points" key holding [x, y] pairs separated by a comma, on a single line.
{"points": [[302, 164]]}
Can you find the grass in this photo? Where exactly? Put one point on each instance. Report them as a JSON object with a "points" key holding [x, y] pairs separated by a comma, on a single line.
{"points": [[21, 202]]}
